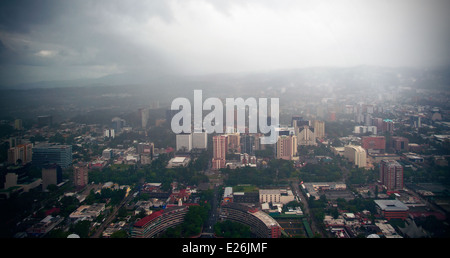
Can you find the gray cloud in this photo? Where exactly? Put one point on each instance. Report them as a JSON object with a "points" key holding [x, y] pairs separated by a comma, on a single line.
{"points": [[50, 39]]}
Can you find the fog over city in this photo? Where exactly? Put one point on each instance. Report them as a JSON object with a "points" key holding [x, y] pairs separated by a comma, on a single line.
{"points": [[50, 40], [225, 119]]}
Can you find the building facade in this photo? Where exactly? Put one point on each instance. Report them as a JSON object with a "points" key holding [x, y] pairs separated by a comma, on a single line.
{"points": [[158, 222], [356, 154], [286, 147], [391, 175], [184, 142], [220, 144], [52, 154]]}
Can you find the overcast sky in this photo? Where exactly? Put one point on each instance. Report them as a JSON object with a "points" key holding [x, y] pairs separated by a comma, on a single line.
{"points": [[55, 40]]}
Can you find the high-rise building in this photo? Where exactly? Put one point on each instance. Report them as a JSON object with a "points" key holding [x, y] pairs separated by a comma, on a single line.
{"points": [[184, 142], [319, 129], [109, 133], [51, 175], [391, 174], [144, 115], [18, 124], [356, 154], [286, 147], [80, 175], [234, 142], [388, 126], [219, 151], [199, 140], [247, 143], [117, 124], [22, 152], [306, 136], [52, 154]]}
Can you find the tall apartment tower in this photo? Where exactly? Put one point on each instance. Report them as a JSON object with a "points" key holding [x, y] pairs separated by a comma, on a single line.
{"points": [[286, 147], [21, 152], [80, 175], [391, 174], [220, 143]]}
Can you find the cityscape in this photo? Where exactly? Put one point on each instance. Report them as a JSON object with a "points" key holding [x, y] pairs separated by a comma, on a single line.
{"points": [[361, 151]]}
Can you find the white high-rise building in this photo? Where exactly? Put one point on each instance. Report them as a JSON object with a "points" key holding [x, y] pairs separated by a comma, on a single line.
{"points": [[357, 155], [184, 142], [199, 140], [109, 133]]}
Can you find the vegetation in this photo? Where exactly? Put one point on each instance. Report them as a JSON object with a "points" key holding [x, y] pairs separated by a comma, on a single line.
{"points": [[231, 229]]}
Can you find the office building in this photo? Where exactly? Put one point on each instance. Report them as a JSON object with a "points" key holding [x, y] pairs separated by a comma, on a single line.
{"points": [[184, 142], [319, 129], [247, 143], [356, 154], [306, 136], [286, 147], [199, 140], [392, 209], [52, 154], [109, 133], [391, 175], [117, 124], [51, 175]]}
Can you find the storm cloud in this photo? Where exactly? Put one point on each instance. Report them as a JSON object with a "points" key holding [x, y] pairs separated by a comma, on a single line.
{"points": [[58, 40]]}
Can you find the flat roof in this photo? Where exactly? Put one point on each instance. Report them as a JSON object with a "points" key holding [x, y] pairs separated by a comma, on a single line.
{"points": [[391, 205]]}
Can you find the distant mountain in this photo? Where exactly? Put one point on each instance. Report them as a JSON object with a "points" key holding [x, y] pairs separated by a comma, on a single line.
{"points": [[437, 78]]}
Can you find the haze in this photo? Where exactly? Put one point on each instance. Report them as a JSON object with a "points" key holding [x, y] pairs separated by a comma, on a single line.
{"points": [[62, 40]]}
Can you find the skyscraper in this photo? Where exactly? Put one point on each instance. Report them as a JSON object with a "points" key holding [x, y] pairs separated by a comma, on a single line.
{"points": [[391, 175], [319, 129], [219, 151]]}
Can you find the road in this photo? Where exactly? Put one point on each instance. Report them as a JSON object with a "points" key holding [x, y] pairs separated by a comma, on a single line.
{"points": [[306, 211], [111, 216], [208, 229]]}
